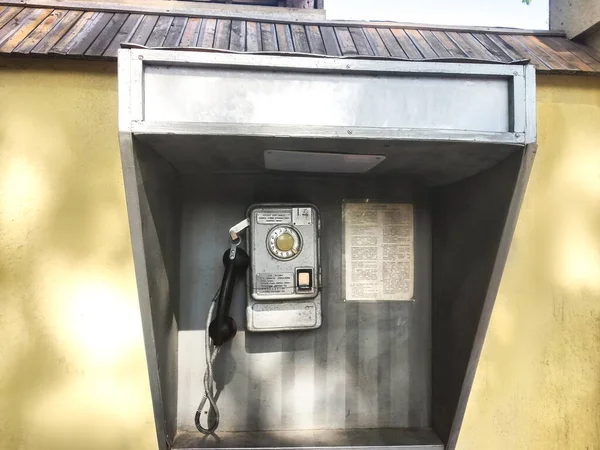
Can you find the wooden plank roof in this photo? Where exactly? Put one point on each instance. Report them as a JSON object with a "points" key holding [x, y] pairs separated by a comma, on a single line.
{"points": [[98, 33]]}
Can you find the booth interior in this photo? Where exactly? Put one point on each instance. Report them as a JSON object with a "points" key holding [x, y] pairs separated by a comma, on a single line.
{"points": [[382, 374]]}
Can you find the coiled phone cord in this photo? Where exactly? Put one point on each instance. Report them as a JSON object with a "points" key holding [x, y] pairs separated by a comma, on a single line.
{"points": [[211, 351]]}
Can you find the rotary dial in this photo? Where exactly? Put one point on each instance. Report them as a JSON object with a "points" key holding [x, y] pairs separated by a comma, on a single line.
{"points": [[284, 242]]}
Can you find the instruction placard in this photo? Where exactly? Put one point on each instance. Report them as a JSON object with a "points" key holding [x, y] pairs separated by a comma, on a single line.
{"points": [[275, 283], [378, 251]]}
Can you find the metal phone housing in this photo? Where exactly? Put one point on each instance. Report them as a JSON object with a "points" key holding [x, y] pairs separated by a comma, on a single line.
{"points": [[284, 279]]}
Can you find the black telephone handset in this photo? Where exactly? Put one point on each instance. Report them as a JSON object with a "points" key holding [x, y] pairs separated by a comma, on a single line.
{"points": [[223, 328]]}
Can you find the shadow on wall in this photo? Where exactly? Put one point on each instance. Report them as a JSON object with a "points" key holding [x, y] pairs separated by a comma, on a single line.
{"points": [[72, 367], [538, 383]]}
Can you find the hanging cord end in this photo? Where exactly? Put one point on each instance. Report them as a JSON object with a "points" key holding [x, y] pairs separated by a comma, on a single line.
{"points": [[211, 353]]}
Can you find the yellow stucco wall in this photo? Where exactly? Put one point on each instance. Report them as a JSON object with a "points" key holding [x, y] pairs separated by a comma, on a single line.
{"points": [[72, 363], [538, 382], [66, 277]]}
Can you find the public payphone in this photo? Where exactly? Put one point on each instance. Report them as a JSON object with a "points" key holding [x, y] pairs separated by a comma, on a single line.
{"points": [[283, 282], [390, 365]]}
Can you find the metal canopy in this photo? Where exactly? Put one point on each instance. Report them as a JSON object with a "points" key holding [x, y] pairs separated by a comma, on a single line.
{"points": [[436, 122]]}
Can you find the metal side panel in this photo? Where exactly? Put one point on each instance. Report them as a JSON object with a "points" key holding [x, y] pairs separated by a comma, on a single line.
{"points": [[469, 248], [142, 278], [510, 223], [154, 211], [151, 188], [160, 210]]}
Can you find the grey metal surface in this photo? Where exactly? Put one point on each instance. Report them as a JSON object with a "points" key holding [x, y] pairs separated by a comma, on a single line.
{"points": [[292, 161], [388, 439], [468, 222], [346, 134], [160, 208], [321, 65], [281, 311], [432, 163], [428, 117], [298, 98], [530, 109], [154, 208], [524, 170], [154, 222], [368, 366]]}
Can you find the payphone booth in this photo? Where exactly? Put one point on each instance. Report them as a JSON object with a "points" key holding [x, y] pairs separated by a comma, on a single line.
{"points": [[372, 204]]}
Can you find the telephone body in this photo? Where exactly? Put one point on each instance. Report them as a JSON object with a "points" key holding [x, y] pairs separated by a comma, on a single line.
{"points": [[284, 281]]}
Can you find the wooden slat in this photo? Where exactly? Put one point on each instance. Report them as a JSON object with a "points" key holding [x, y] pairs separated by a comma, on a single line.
{"points": [[175, 32], [331, 43], [360, 40], [300, 39], [435, 44], [124, 35], [449, 44], [253, 40], [391, 43], [143, 30], [106, 36], [507, 48], [159, 32], [89, 34], [222, 34], [421, 44], [315, 40], [478, 47], [269, 37], [467, 48], [27, 26], [546, 52], [62, 46], [585, 50], [344, 38], [284, 37], [237, 40], [471, 46], [191, 32], [540, 65], [576, 51], [8, 14], [408, 47], [376, 42], [206, 38], [57, 32], [526, 52], [492, 47], [44, 30], [13, 26], [288, 14]]}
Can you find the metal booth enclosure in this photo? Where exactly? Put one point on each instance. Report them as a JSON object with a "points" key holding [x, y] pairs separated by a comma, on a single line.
{"points": [[376, 200]]}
